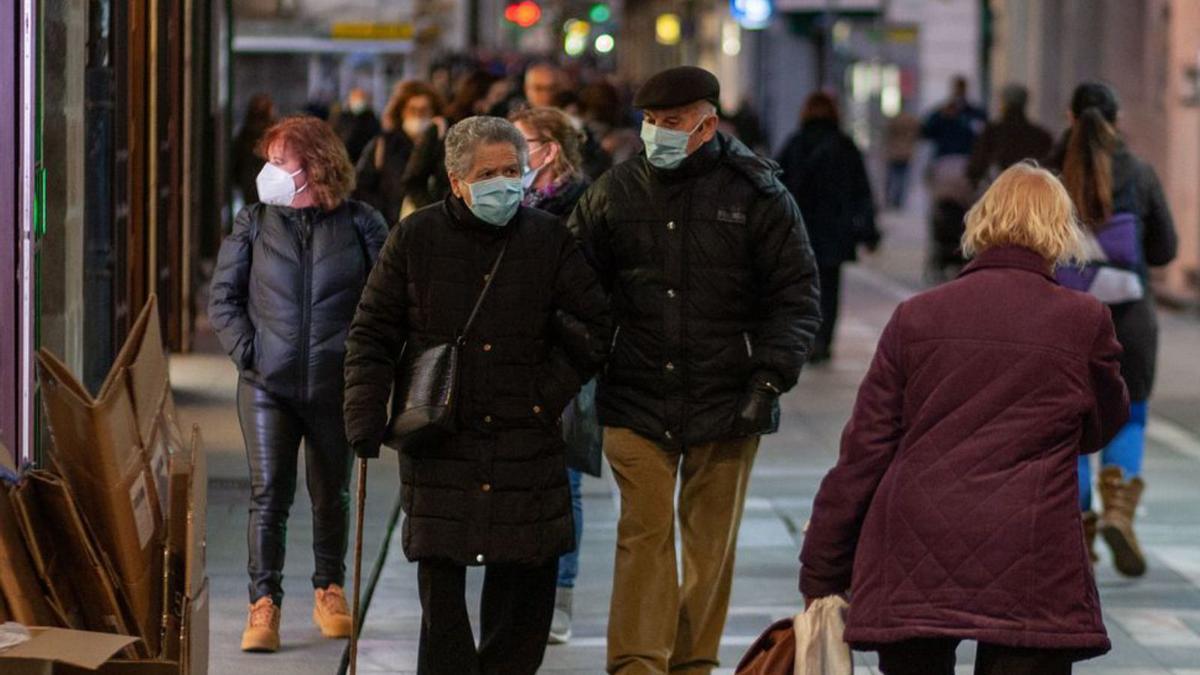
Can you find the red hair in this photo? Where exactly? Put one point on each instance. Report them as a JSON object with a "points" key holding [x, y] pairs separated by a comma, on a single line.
{"points": [[322, 156]]}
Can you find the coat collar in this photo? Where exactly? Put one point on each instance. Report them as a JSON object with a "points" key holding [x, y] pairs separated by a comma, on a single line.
{"points": [[461, 216], [1010, 257]]}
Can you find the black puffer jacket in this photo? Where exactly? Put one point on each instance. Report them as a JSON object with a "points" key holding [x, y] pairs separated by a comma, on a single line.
{"points": [[284, 291], [497, 491], [713, 285]]}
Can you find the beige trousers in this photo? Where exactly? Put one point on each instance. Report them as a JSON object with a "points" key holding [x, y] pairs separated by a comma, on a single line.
{"points": [[656, 624]]}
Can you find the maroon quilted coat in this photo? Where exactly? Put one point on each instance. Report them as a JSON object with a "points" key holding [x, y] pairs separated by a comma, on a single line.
{"points": [[953, 509]]}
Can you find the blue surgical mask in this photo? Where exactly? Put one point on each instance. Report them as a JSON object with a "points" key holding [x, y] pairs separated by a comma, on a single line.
{"points": [[496, 200], [666, 148]]}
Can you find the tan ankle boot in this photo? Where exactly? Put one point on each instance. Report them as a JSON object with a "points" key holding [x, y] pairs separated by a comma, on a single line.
{"points": [[1090, 520], [330, 612], [262, 627], [1120, 498]]}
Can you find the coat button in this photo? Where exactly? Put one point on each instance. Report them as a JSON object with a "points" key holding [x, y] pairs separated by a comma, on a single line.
{"points": [[486, 487], [486, 277], [487, 347], [487, 418], [670, 366], [671, 225], [670, 292], [668, 435], [537, 410], [479, 558]]}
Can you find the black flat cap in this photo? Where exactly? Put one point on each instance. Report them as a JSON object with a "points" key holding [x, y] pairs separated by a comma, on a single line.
{"points": [[676, 87]]}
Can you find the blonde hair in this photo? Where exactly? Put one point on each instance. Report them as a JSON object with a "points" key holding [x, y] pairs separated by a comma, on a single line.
{"points": [[1026, 206]]}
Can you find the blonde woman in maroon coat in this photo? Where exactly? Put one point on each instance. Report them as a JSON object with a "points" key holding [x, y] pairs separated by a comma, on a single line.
{"points": [[952, 512]]}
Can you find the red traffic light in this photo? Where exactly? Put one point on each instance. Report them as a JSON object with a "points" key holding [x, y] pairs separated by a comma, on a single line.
{"points": [[524, 14]]}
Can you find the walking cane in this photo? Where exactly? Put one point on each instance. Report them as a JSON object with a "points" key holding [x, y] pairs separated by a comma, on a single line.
{"points": [[358, 548]]}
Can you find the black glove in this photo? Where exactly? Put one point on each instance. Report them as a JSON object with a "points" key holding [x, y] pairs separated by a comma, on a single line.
{"points": [[367, 450], [757, 407]]}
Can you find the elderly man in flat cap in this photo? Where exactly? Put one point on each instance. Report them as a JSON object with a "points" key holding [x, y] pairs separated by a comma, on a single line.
{"points": [[714, 292]]}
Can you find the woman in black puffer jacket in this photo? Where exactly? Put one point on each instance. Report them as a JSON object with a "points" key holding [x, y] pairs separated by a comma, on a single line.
{"points": [[283, 294], [495, 493]]}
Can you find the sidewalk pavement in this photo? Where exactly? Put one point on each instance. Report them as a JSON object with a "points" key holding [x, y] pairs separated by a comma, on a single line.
{"points": [[1154, 622]]}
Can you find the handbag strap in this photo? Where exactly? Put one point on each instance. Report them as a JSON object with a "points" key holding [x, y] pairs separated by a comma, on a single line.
{"points": [[462, 336]]}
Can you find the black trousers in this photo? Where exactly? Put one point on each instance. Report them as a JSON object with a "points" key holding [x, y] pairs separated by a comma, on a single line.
{"points": [[831, 295], [517, 606], [935, 656], [273, 428]]}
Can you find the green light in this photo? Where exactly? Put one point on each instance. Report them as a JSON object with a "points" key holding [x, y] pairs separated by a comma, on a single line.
{"points": [[599, 13]]}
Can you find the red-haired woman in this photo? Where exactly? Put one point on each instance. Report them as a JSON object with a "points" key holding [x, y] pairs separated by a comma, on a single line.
{"points": [[283, 294]]}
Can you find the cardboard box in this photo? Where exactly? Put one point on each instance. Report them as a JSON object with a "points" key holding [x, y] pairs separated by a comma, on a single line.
{"points": [[68, 559], [52, 648], [186, 548], [141, 367], [23, 595], [97, 450]]}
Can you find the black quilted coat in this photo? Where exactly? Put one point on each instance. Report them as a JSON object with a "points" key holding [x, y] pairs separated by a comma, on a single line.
{"points": [[284, 291], [497, 491], [713, 283]]}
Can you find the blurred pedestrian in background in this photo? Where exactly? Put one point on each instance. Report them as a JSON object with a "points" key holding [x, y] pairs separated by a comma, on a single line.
{"points": [[260, 115], [495, 493], [543, 82], [825, 172], [470, 96], [900, 138], [356, 123], [714, 294], [554, 183], [952, 129], [1008, 140], [951, 514], [283, 293], [1121, 203], [405, 162]]}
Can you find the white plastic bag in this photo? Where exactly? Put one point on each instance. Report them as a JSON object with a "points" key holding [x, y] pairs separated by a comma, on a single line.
{"points": [[820, 649]]}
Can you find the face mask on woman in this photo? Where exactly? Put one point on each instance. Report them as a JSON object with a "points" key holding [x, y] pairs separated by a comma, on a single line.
{"points": [[531, 175], [416, 126], [666, 148], [496, 200], [276, 187]]}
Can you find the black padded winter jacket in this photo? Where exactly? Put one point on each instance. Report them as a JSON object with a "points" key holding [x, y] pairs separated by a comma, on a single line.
{"points": [[496, 492], [713, 287], [284, 291]]}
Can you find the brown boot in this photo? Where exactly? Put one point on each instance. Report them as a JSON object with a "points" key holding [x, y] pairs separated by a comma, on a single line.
{"points": [[330, 612], [1089, 534], [1120, 498], [262, 627]]}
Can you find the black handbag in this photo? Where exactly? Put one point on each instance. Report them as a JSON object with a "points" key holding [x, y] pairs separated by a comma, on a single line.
{"points": [[426, 390]]}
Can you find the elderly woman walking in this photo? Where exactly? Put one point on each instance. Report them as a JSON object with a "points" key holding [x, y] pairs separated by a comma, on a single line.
{"points": [[494, 494], [951, 513]]}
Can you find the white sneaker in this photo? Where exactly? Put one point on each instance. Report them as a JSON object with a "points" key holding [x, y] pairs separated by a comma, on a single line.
{"points": [[560, 625]]}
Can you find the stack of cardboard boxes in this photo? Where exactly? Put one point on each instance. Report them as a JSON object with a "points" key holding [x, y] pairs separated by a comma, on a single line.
{"points": [[110, 536]]}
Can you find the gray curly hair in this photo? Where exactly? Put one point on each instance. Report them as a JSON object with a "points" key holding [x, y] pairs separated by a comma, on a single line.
{"points": [[465, 138]]}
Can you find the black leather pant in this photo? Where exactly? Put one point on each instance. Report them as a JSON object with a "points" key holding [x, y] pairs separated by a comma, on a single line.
{"points": [[273, 427]]}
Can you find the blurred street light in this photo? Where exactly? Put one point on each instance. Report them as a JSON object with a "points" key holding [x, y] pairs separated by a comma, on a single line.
{"points": [[668, 29], [525, 14], [605, 43]]}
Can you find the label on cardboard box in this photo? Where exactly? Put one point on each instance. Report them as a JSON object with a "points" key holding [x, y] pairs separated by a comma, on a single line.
{"points": [[143, 515]]}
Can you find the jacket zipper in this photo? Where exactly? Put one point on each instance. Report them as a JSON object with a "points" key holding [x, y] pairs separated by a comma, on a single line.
{"points": [[306, 310]]}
